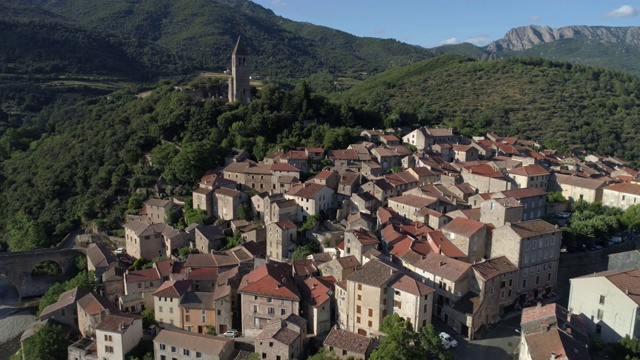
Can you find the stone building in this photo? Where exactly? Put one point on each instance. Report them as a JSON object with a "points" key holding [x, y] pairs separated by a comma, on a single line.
{"points": [[239, 86]]}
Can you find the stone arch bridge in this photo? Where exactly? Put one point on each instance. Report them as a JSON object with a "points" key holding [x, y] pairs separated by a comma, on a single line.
{"points": [[17, 268]]}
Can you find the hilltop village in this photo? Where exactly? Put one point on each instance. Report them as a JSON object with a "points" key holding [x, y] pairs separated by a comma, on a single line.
{"points": [[314, 247]]}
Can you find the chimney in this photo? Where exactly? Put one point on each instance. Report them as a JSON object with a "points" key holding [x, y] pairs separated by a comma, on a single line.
{"points": [[553, 355], [441, 263], [569, 331], [440, 248], [107, 311], [626, 291], [539, 304]]}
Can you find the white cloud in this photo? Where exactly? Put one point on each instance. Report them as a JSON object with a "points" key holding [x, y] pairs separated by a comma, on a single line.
{"points": [[450, 41], [480, 40], [535, 18], [279, 3], [622, 11]]}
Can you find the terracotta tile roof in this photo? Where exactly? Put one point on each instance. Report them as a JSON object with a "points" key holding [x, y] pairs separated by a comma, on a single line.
{"points": [[305, 191], [118, 323], [200, 274], [626, 188], [485, 170], [531, 228], [506, 148], [285, 225], [346, 340], [284, 167], [364, 237], [295, 154], [227, 192], [314, 150], [203, 191], [65, 299], [413, 200], [99, 256], [173, 288], [325, 174], [200, 260], [464, 148], [157, 202], [422, 247], [523, 193], [270, 280], [416, 228], [628, 282], [390, 234], [385, 215], [401, 247], [445, 267], [347, 154], [412, 286], [509, 202], [304, 267], [439, 131], [372, 165], [321, 258], [366, 196], [552, 315], [542, 344], [197, 300], [317, 291], [529, 170], [142, 275], [283, 335], [441, 244], [494, 267], [348, 262], [464, 227], [205, 344], [390, 138], [374, 273], [94, 304]]}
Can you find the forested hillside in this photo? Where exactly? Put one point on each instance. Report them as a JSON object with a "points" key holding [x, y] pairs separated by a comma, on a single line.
{"points": [[592, 108], [202, 34]]}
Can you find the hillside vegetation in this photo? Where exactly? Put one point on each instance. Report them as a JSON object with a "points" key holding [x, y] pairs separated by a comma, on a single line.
{"points": [[593, 108], [202, 33]]}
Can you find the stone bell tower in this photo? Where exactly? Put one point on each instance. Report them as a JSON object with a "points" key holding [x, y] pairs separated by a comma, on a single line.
{"points": [[239, 88]]}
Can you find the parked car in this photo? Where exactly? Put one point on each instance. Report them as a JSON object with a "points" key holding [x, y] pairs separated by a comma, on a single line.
{"points": [[120, 251], [230, 333], [125, 260], [448, 341], [616, 239]]}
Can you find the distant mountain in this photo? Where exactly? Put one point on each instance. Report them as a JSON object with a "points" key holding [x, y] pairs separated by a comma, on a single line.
{"points": [[203, 33], [615, 48], [526, 37]]}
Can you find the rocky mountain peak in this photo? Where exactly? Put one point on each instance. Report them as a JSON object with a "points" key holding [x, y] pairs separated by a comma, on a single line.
{"points": [[525, 37]]}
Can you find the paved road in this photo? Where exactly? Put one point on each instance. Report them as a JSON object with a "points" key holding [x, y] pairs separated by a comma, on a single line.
{"points": [[499, 343]]}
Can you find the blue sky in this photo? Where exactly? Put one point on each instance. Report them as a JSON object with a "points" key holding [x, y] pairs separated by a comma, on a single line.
{"points": [[430, 23]]}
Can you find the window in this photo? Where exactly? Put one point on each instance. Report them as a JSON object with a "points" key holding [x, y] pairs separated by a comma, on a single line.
{"points": [[524, 283], [600, 314], [269, 299], [271, 311], [510, 282], [359, 286], [255, 309], [503, 284], [358, 319], [601, 299], [359, 297], [163, 347], [171, 310], [424, 308], [185, 352], [198, 354], [219, 312], [370, 323], [598, 329], [187, 318], [370, 312], [397, 304], [537, 280], [108, 349], [283, 311], [162, 357], [358, 309], [549, 277], [159, 308]]}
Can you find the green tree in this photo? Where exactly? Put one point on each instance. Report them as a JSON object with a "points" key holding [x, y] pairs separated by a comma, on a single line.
{"points": [[24, 233], [47, 343], [162, 155], [323, 354], [400, 342], [631, 217], [556, 197], [148, 318], [301, 252], [192, 162]]}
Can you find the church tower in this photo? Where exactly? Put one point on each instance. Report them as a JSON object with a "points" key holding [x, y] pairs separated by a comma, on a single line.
{"points": [[239, 88]]}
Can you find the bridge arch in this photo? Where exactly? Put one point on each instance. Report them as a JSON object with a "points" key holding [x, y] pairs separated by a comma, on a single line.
{"points": [[47, 267], [9, 292]]}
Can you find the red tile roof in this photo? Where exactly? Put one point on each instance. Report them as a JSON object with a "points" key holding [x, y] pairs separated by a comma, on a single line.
{"points": [[401, 247], [523, 193], [442, 244], [346, 340], [306, 191], [494, 267], [142, 275], [284, 167], [464, 227], [485, 170], [529, 170], [445, 267], [626, 188], [270, 280], [285, 225], [412, 286], [173, 288], [315, 290]]}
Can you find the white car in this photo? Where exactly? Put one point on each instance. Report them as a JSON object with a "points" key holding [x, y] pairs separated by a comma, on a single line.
{"points": [[120, 251], [448, 341], [230, 333]]}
